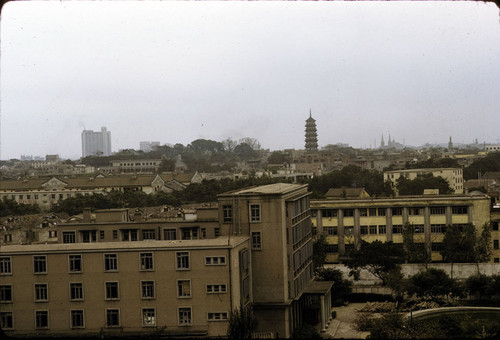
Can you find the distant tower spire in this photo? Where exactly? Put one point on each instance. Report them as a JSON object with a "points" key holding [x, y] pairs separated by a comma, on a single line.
{"points": [[450, 145], [311, 134], [382, 143]]}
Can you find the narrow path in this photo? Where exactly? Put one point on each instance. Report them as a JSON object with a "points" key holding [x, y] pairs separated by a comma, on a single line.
{"points": [[341, 327]]}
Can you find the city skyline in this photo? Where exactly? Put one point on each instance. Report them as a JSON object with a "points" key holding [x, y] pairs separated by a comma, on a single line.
{"points": [[419, 72]]}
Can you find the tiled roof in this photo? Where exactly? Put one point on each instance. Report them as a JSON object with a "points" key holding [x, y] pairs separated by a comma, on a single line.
{"points": [[345, 192], [276, 188]]}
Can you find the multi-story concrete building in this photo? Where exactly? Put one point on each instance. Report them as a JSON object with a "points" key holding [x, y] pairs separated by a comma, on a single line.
{"points": [[136, 165], [123, 288], [112, 275], [454, 176], [96, 143], [347, 221], [278, 221]]}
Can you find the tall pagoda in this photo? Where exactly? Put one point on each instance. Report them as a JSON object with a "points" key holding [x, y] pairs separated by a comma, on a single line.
{"points": [[311, 134]]}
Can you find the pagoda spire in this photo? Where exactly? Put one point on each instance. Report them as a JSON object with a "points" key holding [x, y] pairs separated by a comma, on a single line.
{"points": [[311, 134]]}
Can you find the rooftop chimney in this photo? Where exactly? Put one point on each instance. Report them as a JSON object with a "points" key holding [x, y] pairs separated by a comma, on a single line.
{"points": [[86, 215]]}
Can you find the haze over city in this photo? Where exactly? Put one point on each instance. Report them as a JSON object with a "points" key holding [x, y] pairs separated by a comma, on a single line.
{"points": [[178, 71]]}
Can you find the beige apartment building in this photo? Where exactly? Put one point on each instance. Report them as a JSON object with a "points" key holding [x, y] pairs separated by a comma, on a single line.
{"points": [[278, 220], [115, 275], [454, 176], [348, 221], [178, 288]]}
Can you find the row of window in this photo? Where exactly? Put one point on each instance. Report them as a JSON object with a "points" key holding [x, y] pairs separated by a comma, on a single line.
{"points": [[146, 262], [382, 229], [111, 290], [253, 212], [88, 236], [397, 211], [37, 196], [77, 318], [138, 163]]}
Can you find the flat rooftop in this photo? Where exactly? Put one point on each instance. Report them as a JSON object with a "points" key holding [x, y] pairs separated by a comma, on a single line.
{"points": [[276, 188], [213, 243], [434, 199]]}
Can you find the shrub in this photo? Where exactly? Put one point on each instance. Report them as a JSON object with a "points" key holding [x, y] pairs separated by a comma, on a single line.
{"points": [[365, 322], [306, 332]]}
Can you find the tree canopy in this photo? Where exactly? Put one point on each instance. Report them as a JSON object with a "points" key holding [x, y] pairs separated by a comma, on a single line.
{"points": [[461, 245], [431, 284], [379, 258], [11, 207], [433, 162], [278, 157], [490, 163], [351, 176], [417, 186]]}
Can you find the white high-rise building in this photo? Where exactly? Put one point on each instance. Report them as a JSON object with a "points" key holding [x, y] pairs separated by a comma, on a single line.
{"points": [[96, 143]]}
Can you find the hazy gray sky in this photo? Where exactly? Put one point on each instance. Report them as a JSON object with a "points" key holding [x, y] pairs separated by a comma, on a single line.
{"points": [[178, 71]]}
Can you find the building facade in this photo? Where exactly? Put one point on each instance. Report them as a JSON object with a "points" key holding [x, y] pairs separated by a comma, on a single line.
{"points": [[454, 176], [122, 288], [136, 165], [48, 191], [348, 221], [116, 274], [277, 219], [96, 143]]}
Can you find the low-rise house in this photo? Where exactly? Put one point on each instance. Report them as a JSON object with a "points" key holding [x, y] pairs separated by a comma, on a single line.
{"points": [[48, 191], [347, 193]]}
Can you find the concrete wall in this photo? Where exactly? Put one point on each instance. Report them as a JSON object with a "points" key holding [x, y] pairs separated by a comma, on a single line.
{"points": [[460, 271]]}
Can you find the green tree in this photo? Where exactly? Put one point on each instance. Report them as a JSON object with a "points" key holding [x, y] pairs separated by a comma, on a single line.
{"points": [[252, 142], [478, 286], [379, 258], [461, 245], [341, 287], [433, 162], [166, 165], [483, 249], [319, 251], [418, 185], [490, 163], [306, 332], [278, 157], [241, 323], [245, 152], [229, 144], [351, 176], [415, 252], [203, 146], [11, 207], [430, 284]]}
